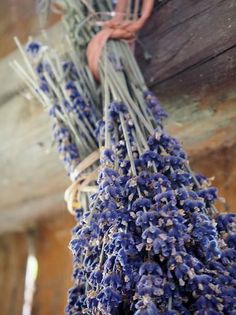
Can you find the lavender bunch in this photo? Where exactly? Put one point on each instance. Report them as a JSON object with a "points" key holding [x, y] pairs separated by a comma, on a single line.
{"points": [[147, 245], [65, 89], [151, 242]]}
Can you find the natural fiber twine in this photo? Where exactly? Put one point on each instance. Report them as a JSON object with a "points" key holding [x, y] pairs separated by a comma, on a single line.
{"points": [[81, 182], [116, 28]]}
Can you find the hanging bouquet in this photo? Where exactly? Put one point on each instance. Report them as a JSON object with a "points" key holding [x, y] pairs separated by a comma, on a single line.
{"points": [[148, 238]]}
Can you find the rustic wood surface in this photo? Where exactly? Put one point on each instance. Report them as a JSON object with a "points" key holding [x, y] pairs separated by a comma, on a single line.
{"points": [[19, 18], [55, 265], [13, 255], [51, 238], [33, 179], [193, 70], [221, 165], [183, 34]]}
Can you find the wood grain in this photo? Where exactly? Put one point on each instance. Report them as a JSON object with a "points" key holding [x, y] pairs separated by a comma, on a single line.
{"points": [[185, 33], [13, 255], [55, 265], [19, 18], [32, 177]]}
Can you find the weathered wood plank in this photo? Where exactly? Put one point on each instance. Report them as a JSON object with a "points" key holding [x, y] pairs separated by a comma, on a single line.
{"points": [[221, 165], [186, 33], [55, 264], [33, 179], [19, 19], [180, 34], [215, 77], [204, 129], [13, 255]]}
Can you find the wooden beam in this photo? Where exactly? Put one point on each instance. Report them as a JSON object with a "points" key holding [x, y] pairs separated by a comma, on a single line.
{"points": [[33, 178], [193, 69], [183, 34], [19, 19], [55, 265], [13, 256]]}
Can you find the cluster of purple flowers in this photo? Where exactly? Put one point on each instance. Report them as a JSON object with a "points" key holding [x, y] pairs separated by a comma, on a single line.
{"points": [[70, 105], [150, 242], [66, 147], [148, 245]]}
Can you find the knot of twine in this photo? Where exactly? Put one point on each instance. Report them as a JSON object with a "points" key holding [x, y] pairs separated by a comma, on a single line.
{"points": [[81, 181], [116, 28]]}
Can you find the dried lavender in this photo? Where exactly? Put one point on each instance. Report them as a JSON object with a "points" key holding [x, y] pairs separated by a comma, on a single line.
{"points": [[157, 243], [62, 88], [150, 240], [150, 246]]}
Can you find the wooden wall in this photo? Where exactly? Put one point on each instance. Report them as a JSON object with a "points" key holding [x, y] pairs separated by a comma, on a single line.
{"points": [[54, 261], [55, 265], [13, 252], [19, 19]]}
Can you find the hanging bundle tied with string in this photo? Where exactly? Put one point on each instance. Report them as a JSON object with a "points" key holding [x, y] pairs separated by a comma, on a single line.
{"points": [[116, 28], [148, 239]]}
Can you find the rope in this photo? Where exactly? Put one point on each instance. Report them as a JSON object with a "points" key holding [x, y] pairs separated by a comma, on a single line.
{"points": [[73, 192], [81, 181], [116, 28], [82, 166]]}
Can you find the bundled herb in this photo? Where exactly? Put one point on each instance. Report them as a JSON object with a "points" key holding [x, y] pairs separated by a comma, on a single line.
{"points": [[149, 240], [150, 243]]}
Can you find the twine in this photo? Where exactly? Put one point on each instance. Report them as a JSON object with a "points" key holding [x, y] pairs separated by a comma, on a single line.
{"points": [[81, 181], [82, 166], [116, 28]]}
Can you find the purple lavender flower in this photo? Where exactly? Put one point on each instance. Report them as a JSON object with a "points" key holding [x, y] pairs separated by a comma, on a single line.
{"points": [[33, 48]]}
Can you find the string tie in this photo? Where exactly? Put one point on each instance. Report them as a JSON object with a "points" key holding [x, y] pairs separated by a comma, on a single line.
{"points": [[116, 28]]}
